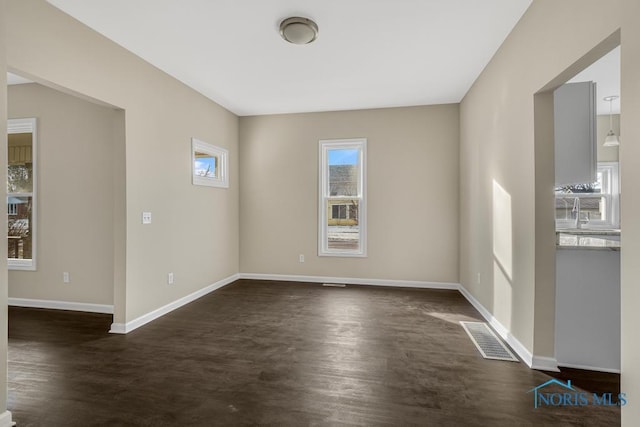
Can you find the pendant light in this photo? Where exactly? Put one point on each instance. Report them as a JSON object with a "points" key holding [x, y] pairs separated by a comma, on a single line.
{"points": [[612, 139]]}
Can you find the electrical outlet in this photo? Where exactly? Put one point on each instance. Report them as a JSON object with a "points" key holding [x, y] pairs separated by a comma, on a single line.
{"points": [[478, 280], [301, 258], [65, 277], [170, 278]]}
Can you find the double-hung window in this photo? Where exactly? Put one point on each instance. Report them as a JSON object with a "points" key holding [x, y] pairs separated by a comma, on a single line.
{"points": [[594, 205], [342, 217], [21, 194]]}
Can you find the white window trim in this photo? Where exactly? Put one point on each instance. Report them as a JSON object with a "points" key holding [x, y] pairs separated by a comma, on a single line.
{"points": [[222, 180], [25, 126], [323, 192], [613, 181]]}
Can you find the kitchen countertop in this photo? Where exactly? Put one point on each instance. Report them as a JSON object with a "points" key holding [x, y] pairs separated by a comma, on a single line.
{"points": [[608, 240]]}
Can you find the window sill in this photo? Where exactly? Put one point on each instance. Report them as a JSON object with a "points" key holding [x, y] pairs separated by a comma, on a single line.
{"points": [[343, 254], [20, 265]]}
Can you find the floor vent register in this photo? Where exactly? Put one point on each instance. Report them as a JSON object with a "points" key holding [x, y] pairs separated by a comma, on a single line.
{"points": [[489, 345]]}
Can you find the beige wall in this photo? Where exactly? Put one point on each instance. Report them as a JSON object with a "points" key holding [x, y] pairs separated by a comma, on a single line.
{"points": [[412, 193], [607, 154], [75, 197], [3, 224], [194, 233], [497, 145], [630, 206], [499, 142]]}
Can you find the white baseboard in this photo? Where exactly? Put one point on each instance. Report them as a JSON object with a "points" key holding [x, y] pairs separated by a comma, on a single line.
{"points": [[589, 368], [352, 281], [542, 363], [534, 362], [124, 328], [5, 419], [61, 305]]}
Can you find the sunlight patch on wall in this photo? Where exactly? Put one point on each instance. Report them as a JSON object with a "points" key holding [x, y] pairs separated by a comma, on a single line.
{"points": [[502, 229], [502, 255], [502, 294]]}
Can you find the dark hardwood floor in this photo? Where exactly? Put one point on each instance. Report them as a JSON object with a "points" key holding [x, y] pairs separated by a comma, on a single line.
{"points": [[272, 353]]}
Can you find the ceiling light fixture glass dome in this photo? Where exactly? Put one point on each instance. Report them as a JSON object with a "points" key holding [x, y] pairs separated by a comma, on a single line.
{"points": [[298, 30]]}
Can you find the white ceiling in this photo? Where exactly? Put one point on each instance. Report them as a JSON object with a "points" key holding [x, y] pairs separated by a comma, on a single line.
{"points": [[369, 53]]}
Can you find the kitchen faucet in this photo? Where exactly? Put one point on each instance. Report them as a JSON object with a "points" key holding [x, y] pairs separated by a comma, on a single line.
{"points": [[576, 210]]}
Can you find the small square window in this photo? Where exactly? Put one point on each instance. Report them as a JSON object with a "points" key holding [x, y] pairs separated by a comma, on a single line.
{"points": [[210, 164]]}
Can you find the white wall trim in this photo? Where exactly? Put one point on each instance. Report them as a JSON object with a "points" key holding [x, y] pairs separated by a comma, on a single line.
{"points": [[61, 305], [5, 419], [352, 281], [325, 145], [534, 362], [125, 328], [543, 363], [590, 368]]}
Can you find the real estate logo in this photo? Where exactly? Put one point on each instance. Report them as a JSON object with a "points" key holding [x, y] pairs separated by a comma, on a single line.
{"points": [[569, 396]]}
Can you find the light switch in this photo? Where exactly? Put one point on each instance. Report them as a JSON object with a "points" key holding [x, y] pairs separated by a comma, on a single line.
{"points": [[146, 217]]}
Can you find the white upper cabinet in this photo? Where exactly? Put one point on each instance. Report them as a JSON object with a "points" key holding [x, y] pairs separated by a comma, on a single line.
{"points": [[575, 133]]}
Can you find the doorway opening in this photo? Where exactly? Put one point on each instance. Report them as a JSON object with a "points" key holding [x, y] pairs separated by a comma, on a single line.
{"points": [[69, 169], [574, 280]]}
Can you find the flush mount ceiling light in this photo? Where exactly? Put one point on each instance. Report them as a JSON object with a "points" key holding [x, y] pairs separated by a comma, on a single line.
{"points": [[298, 30], [612, 139]]}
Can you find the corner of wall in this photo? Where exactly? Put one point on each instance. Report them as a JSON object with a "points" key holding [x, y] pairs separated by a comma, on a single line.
{"points": [[5, 416]]}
